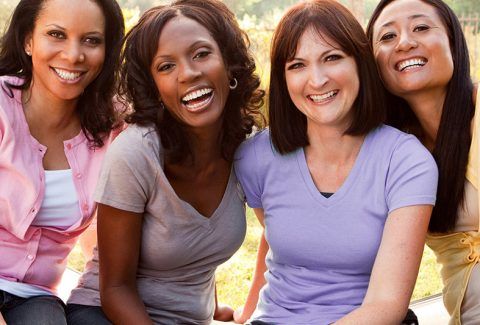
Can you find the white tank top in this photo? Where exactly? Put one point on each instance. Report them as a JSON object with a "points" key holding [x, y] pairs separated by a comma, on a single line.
{"points": [[60, 207]]}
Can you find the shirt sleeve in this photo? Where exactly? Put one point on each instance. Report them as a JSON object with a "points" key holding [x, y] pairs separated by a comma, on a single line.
{"points": [[128, 173], [412, 177], [247, 170]]}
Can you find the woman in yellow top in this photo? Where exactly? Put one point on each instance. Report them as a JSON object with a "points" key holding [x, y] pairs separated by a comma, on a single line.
{"points": [[423, 59]]}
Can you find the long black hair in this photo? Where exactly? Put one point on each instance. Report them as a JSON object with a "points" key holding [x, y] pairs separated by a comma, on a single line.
{"points": [[453, 138]]}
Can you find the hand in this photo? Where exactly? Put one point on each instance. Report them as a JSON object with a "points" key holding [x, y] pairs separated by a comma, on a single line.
{"points": [[223, 313], [239, 317]]}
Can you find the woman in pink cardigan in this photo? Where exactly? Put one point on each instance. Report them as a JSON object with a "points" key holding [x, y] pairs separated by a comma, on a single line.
{"points": [[57, 76]]}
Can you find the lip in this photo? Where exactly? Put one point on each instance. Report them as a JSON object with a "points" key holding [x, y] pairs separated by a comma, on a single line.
{"points": [[416, 57]]}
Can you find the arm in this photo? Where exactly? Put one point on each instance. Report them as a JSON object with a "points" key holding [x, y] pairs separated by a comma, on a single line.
{"points": [[88, 239], [119, 238], [2, 321], [241, 315], [395, 269]]}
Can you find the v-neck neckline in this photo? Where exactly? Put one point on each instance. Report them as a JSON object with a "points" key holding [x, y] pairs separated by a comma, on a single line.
{"points": [[205, 221], [347, 183]]}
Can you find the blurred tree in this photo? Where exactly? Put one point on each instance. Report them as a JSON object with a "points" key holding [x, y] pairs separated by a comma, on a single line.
{"points": [[6, 9]]}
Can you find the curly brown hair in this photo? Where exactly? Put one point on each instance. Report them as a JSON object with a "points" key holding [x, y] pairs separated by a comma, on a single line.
{"points": [[95, 106], [242, 109]]}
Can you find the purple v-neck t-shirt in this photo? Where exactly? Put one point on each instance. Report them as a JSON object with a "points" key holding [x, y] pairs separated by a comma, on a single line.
{"points": [[322, 249]]}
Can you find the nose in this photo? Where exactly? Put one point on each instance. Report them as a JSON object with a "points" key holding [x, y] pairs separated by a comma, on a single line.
{"points": [[188, 72], [73, 52], [405, 42], [317, 77]]}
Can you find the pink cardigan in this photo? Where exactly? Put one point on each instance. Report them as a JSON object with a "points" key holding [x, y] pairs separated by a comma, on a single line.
{"points": [[29, 254]]}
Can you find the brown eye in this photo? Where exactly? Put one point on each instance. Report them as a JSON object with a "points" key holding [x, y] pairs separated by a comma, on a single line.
{"points": [[421, 28], [333, 57], [201, 54], [295, 66], [387, 37], [165, 67], [57, 34], [93, 40]]}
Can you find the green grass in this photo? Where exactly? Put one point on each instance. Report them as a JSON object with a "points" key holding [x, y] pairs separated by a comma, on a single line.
{"points": [[234, 276]]}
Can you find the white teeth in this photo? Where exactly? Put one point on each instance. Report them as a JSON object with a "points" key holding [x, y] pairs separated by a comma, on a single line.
{"points": [[197, 105], [197, 93], [67, 75], [411, 63], [319, 98]]}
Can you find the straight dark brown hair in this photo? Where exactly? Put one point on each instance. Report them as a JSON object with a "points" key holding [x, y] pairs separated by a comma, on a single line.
{"points": [[453, 138], [288, 126]]}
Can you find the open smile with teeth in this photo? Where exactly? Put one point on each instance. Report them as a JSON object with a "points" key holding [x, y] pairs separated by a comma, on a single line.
{"points": [[323, 97], [197, 98], [67, 75], [411, 63]]}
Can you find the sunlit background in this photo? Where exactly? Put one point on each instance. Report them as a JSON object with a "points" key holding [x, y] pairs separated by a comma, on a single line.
{"points": [[259, 18]]}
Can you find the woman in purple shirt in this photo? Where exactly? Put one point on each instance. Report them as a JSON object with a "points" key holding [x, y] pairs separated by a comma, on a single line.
{"points": [[345, 201]]}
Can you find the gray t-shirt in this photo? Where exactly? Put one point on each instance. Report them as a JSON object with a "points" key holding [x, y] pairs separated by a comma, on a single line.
{"points": [[180, 248]]}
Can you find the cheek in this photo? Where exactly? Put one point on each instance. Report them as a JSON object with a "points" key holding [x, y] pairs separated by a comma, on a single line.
{"points": [[381, 60], [293, 86], [98, 58]]}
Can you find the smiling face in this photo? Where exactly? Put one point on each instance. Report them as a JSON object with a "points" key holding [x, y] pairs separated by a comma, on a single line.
{"points": [[190, 73], [412, 48], [322, 81], [67, 47]]}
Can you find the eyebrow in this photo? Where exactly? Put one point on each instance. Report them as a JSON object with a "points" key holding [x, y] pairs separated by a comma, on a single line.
{"points": [[412, 17], [55, 25], [323, 55], [194, 45], [64, 29]]}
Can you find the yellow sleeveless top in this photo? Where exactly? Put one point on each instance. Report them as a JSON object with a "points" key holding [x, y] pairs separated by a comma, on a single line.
{"points": [[459, 252]]}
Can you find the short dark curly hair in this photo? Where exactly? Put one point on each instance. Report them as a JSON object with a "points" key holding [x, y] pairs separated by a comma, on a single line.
{"points": [[95, 105], [242, 109]]}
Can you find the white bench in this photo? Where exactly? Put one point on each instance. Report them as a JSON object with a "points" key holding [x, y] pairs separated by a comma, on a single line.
{"points": [[430, 310]]}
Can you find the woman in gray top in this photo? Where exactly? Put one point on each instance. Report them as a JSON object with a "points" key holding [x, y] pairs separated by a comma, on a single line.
{"points": [[170, 208]]}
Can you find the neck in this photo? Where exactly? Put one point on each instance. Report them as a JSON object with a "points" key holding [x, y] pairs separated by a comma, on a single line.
{"points": [[45, 112], [332, 146], [428, 107], [206, 146]]}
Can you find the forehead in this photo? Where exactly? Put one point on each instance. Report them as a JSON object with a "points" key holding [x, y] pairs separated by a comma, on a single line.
{"points": [[78, 14], [313, 39], [182, 32], [403, 11]]}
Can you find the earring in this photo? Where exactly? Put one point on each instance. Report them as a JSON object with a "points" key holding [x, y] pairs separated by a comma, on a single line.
{"points": [[233, 84], [28, 52]]}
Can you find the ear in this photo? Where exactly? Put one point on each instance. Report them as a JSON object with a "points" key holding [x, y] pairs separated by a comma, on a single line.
{"points": [[28, 44]]}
